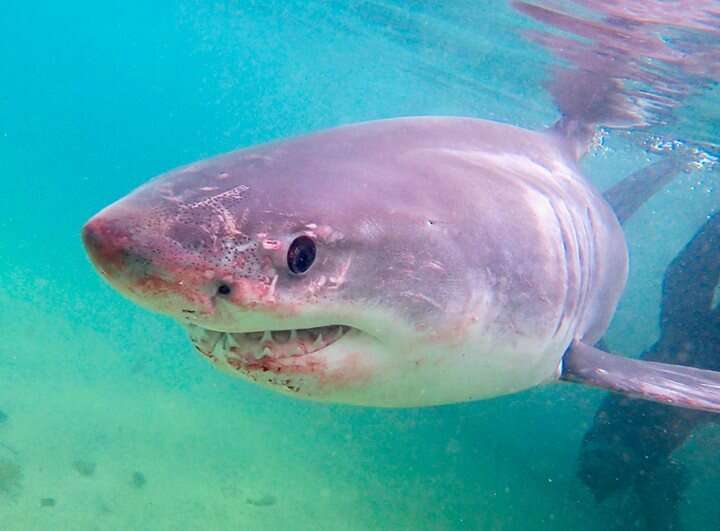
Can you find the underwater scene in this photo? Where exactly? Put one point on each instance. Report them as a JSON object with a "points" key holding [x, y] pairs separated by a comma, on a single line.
{"points": [[463, 274]]}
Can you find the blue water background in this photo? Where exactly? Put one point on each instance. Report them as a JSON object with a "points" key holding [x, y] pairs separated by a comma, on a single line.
{"points": [[96, 98]]}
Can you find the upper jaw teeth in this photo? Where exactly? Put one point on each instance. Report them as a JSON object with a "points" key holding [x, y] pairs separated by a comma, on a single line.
{"points": [[276, 343]]}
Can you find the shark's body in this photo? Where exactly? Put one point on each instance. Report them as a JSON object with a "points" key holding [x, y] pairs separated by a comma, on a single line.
{"points": [[465, 256]]}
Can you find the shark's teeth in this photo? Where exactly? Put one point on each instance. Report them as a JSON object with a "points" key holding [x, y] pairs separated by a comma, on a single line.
{"points": [[275, 344], [205, 340]]}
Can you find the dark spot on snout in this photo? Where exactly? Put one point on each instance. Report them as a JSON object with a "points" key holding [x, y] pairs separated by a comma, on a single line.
{"points": [[224, 289]]}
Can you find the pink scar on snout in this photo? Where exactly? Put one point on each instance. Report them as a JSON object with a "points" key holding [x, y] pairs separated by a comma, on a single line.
{"points": [[271, 245]]}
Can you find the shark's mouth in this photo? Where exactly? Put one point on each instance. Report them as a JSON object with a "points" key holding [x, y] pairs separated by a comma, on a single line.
{"points": [[272, 344]]}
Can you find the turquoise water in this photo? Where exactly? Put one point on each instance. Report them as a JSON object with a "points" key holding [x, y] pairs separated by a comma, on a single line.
{"points": [[112, 415]]}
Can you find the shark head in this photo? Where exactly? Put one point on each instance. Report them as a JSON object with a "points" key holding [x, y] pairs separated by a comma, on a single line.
{"points": [[307, 266]]}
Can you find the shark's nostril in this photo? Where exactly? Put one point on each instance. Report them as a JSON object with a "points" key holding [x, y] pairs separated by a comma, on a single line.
{"points": [[224, 289]]}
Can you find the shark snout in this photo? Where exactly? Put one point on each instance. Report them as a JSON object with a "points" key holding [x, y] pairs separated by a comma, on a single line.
{"points": [[105, 246], [110, 249], [128, 260], [116, 256]]}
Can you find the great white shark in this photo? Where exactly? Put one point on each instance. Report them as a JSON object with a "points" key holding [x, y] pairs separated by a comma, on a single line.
{"points": [[403, 262], [423, 260]]}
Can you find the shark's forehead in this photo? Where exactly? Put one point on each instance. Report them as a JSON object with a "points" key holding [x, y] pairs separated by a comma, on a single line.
{"points": [[369, 164]]}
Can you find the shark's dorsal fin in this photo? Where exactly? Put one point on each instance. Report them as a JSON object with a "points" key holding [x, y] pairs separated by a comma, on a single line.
{"points": [[617, 67], [666, 383]]}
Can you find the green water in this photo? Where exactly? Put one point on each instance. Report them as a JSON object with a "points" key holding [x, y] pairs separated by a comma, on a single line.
{"points": [[111, 414]]}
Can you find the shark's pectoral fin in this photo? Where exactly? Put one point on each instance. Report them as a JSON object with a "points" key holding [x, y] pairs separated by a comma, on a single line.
{"points": [[674, 385]]}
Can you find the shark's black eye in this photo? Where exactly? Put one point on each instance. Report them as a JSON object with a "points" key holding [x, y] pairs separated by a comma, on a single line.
{"points": [[301, 254]]}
